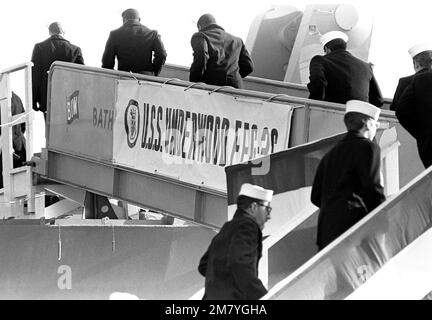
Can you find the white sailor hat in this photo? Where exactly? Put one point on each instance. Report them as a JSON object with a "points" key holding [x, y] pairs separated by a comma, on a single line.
{"points": [[329, 36], [419, 48], [364, 108], [256, 192]]}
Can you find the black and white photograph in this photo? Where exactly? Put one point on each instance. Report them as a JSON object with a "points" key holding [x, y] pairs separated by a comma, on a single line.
{"points": [[234, 151]]}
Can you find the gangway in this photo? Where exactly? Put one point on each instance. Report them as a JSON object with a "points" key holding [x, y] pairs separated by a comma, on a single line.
{"points": [[90, 165], [83, 106]]}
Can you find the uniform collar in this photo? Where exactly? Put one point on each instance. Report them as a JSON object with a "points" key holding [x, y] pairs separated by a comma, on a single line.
{"points": [[212, 26], [132, 23], [240, 213], [423, 70], [340, 50], [351, 135], [57, 36]]}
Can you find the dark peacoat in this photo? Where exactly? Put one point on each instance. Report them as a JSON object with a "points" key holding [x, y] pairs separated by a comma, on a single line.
{"points": [[230, 265], [402, 85], [55, 48], [137, 48], [414, 113], [219, 58], [339, 77], [346, 186]]}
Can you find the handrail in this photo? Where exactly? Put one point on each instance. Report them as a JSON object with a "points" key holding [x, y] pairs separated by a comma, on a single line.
{"points": [[262, 81], [286, 99], [17, 67]]}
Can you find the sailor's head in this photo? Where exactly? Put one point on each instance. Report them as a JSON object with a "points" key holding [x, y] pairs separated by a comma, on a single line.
{"points": [[334, 40], [130, 15], [255, 200], [362, 117], [422, 56], [55, 28], [205, 20]]}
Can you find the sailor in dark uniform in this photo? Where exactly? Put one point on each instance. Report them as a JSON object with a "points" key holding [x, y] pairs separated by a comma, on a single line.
{"points": [[230, 265], [347, 184], [405, 81], [137, 48], [413, 109], [55, 48], [219, 58], [338, 76]]}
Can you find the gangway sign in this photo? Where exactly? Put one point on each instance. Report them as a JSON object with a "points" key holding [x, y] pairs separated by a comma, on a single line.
{"points": [[192, 135]]}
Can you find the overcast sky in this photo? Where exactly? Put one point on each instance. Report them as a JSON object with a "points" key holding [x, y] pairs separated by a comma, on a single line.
{"points": [[398, 25]]}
